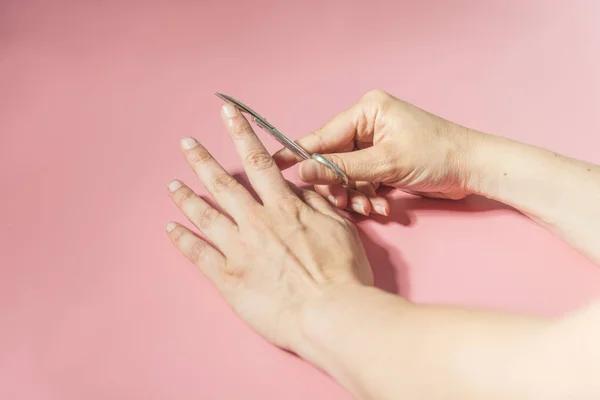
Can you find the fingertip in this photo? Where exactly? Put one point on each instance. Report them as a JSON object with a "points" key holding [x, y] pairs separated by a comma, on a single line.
{"points": [[188, 143], [381, 206], [228, 110], [359, 203], [336, 195], [171, 226], [176, 232], [279, 153], [360, 208], [236, 123], [332, 200], [174, 185], [309, 170], [342, 201], [277, 157], [284, 159], [303, 169], [338, 200]]}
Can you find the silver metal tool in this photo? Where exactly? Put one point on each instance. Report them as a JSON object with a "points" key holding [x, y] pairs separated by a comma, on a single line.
{"points": [[284, 140]]}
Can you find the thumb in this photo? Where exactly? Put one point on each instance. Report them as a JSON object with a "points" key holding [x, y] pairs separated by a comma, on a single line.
{"points": [[361, 165]]}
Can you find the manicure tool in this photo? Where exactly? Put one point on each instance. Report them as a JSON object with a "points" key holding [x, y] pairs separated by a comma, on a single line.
{"points": [[285, 141]]}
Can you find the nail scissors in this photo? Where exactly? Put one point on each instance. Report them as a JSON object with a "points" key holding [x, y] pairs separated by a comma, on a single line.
{"points": [[285, 141]]}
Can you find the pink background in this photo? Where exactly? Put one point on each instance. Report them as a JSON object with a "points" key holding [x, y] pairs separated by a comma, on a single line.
{"points": [[95, 302]]}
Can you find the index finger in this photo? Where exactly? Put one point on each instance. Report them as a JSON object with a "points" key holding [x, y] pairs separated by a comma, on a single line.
{"points": [[336, 136]]}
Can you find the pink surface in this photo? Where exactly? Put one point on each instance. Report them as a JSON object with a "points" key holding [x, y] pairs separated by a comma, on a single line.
{"points": [[95, 302]]}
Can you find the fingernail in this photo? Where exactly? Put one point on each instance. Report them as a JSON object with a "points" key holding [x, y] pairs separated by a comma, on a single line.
{"points": [[171, 226], [174, 185], [359, 208], [230, 110], [309, 169], [379, 209], [332, 200], [188, 143]]}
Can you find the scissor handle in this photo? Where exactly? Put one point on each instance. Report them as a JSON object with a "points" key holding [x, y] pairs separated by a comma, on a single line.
{"points": [[338, 171]]}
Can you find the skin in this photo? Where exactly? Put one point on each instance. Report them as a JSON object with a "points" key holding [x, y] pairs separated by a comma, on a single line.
{"points": [[272, 260]]}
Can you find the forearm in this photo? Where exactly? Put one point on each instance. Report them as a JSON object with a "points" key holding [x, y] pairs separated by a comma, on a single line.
{"points": [[559, 192], [380, 346]]}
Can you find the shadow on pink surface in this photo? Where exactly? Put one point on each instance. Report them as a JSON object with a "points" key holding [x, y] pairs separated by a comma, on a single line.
{"points": [[389, 276], [403, 208], [394, 276]]}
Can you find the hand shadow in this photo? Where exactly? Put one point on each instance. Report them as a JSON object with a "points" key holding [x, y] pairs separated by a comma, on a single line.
{"points": [[404, 205], [389, 269], [242, 178]]}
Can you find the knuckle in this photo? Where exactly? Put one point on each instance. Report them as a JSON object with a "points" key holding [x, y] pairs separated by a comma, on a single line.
{"points": [[184, 196], [319, 142], [313, 197], [206, 218], [289, 204], [309, 195], [376, 95], [196, 251], [240, 129], [255, 218], [224, 182], [233, 276], [259, 160], [199, 156], [176, 234]]}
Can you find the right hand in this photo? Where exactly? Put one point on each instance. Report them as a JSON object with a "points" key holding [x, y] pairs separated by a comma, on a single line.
{"points": [[383, 140]]}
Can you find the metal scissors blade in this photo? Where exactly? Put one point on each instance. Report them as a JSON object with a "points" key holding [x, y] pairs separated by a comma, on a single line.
{"points": [[264, 124], [284, 140]]}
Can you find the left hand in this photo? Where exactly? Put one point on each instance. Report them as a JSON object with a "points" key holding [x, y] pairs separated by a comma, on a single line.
{"points": [[269, 260]]}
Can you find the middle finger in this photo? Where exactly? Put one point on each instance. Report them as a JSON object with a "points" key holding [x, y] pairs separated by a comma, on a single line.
{"points": [[215, 226], [265, 176]]}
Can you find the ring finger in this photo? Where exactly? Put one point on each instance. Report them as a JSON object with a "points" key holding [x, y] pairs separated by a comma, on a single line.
{"points": [[217, 228]]}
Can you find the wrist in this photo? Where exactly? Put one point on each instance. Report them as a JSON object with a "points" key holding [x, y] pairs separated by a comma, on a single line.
{"points": [[328, 322], [485, 161], [315, 317], [501, 167], [461, 161], [337, 328]]}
